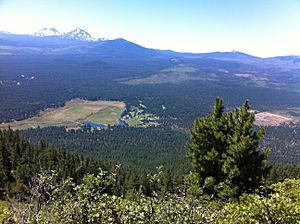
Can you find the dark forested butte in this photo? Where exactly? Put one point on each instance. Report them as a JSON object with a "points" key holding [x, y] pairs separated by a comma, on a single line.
{"points": [[45, 72]]}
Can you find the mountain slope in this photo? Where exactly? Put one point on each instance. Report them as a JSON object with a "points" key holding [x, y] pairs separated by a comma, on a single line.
{"points": [[47, 32], [79, 42], [79, 34]]}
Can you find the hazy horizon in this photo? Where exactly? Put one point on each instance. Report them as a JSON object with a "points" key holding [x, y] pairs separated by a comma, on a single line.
{"points": [[262, 28]]}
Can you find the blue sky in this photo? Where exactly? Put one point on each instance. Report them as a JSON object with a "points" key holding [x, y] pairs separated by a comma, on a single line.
{"points": [[258, 27]]}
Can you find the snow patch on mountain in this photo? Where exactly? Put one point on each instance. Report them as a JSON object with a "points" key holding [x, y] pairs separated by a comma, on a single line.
{"points": [[79, 34], [76, 34], [47, 32]]}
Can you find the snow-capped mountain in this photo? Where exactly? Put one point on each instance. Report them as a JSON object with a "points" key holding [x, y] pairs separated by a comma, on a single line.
{"points": [[47, 32], [79, 34]]}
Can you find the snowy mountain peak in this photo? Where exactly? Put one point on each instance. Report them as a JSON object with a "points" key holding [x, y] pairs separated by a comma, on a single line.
{"points": [[47, 32], [76, 34], [79, 34]]}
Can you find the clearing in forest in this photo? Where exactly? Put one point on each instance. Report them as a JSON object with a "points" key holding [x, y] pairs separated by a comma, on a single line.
{"points": [[288, 116], [175, 74], [73, 114]]}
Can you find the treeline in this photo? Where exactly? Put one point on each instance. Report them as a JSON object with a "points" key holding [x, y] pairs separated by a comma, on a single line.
{"points": [[280, 172], [20, 161], [145, 148], [284, 143]]}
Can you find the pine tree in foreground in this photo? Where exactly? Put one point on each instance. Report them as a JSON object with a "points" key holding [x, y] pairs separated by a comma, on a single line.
{"points": [[225, 154]]}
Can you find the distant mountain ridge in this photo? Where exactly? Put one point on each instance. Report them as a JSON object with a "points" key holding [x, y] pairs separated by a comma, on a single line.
{"points": [[79, 34], [49, 41], [76, 34], [47, 32]]}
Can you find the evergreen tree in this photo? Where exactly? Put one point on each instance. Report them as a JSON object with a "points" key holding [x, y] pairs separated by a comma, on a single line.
{"points": [[224, 152], [6, 177]]}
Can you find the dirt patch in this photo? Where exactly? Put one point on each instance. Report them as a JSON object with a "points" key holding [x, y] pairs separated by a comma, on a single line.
{"points": [[272, 119]]}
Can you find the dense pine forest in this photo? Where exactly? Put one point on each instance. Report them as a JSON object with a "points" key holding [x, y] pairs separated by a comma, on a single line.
{"points": [[154, 146], [140, 147], [40, 183], [21, 160]]}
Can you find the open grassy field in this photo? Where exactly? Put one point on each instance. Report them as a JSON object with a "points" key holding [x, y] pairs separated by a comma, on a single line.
{"points": [[108, 116], [175, 74], [72, 114]]}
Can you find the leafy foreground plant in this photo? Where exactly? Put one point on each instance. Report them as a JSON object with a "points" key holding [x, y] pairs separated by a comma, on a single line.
{"points": [[89, 202]]}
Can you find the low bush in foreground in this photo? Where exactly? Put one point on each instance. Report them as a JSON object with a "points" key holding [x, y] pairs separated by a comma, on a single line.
{"points": [[65, 202]]}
